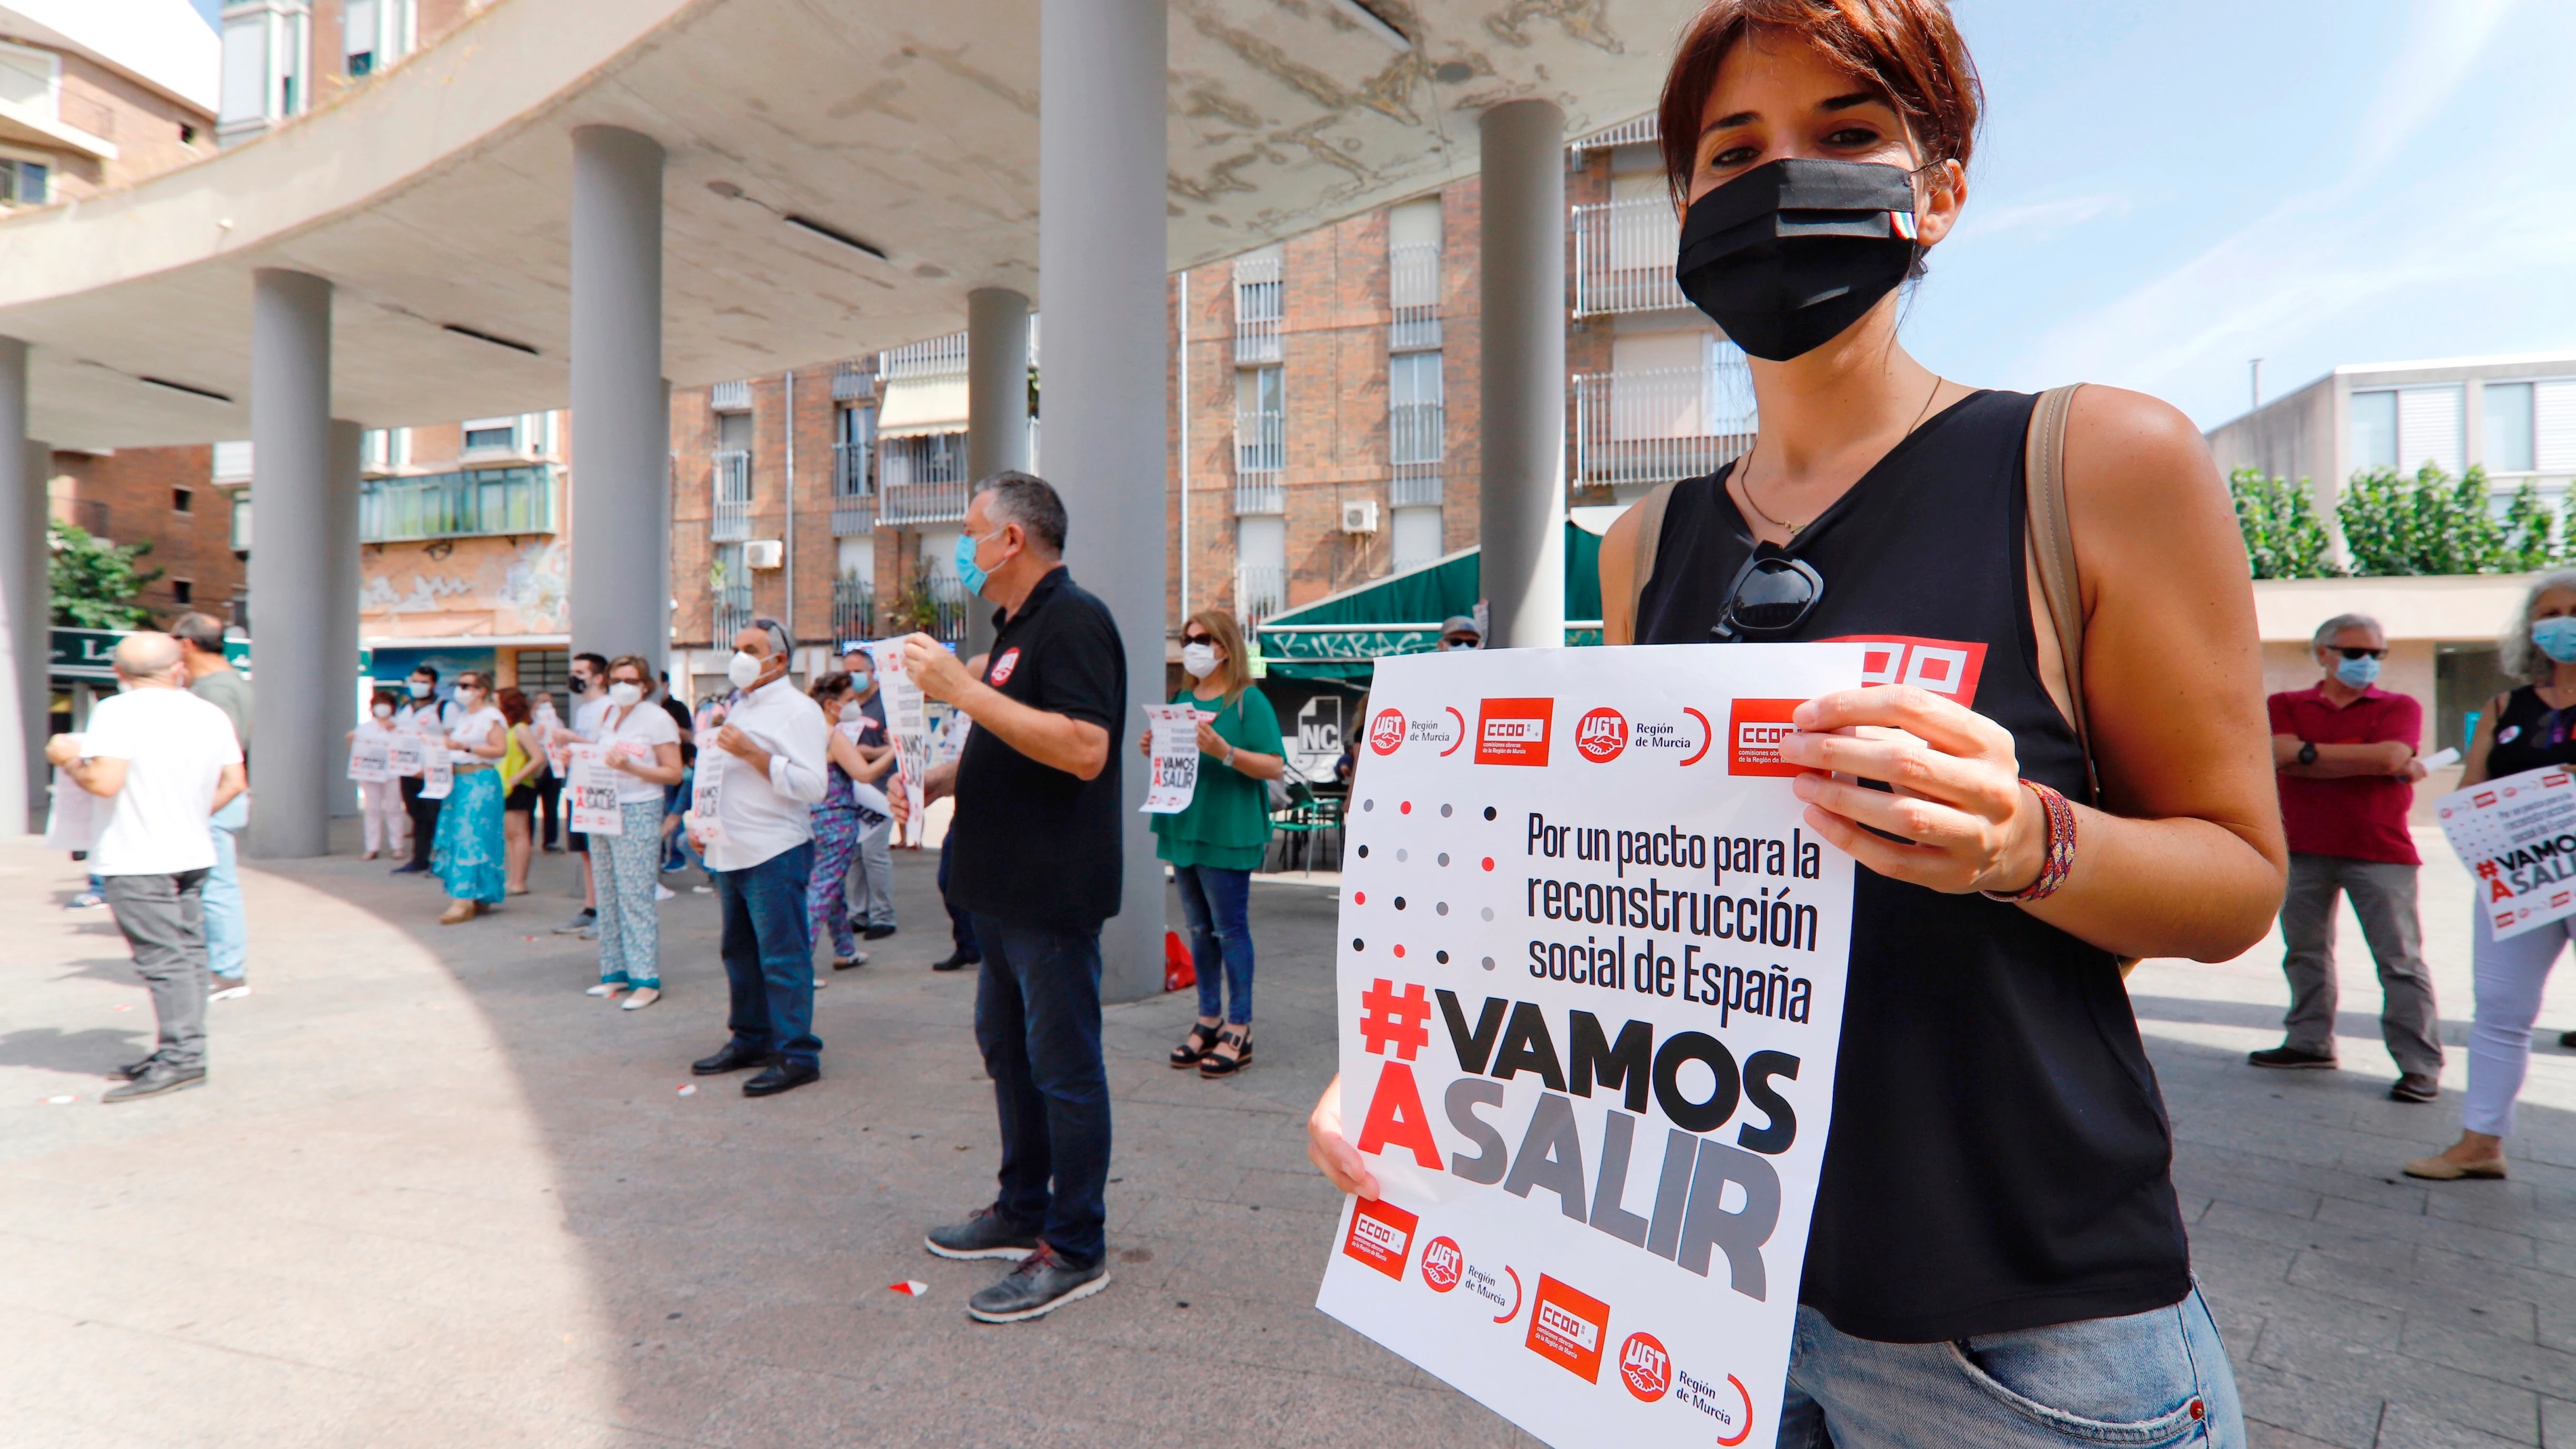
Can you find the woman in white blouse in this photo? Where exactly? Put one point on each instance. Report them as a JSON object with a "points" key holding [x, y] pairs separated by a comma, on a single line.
{"points": [[642, 751], [467, 852]]}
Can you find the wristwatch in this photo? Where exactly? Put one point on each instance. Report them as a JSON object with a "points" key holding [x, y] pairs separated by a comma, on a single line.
{"points": [[1229, 756], [2307, 752]]}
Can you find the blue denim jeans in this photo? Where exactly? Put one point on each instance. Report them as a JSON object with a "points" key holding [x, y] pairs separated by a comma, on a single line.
{"points": [[768, 957], [961, 924], [2156, 1378], [227, 924], [1037, 1017], [1217, 904]]}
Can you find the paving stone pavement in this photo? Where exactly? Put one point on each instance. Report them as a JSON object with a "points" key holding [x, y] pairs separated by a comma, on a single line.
{"points": [[435, 1195]]}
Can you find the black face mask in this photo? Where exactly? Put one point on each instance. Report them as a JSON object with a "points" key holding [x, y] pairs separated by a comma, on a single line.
{"points": [[1790, 253]]}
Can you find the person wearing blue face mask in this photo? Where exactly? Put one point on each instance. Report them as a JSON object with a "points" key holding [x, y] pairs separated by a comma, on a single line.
{"points": [[2535, 726], [2345, 754]]}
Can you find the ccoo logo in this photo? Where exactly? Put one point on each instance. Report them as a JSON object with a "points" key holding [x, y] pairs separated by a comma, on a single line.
{"points": [[1386, 731], [1601, 735], [1645, 1367]]}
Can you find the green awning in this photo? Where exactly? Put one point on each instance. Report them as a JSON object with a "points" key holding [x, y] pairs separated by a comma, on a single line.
{"points": [[1402, 613]]}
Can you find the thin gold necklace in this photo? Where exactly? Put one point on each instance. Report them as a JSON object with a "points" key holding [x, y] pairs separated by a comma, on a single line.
{"points": [[1794, 529]]}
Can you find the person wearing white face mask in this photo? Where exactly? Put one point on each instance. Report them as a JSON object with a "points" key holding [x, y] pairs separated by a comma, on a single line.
{"points": [[421, 713], [852, 808], [870, 883], [1217, 842], [380, 802], [2345, 754], [2534, 727], [469, 851], [643, 748]]}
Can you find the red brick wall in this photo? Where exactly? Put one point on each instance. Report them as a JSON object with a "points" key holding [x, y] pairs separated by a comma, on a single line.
{"points": [[128, 496]]}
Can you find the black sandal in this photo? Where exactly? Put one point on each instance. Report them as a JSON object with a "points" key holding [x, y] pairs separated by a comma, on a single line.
{"points": [[1240, 1037], [1194, 1047]]}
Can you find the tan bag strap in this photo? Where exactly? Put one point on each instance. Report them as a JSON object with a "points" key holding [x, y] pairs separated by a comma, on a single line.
{"points": [[2052, 548], [1650, 532]]}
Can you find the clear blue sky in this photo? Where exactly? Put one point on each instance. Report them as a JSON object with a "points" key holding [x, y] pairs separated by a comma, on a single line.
{"points": [[2166, 190], [213, 10]]}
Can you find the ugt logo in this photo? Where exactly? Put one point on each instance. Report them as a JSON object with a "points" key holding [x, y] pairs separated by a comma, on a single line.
{"points": [[1386, 731], [1442, 1262], [1601, 735], [1645, 1366]]}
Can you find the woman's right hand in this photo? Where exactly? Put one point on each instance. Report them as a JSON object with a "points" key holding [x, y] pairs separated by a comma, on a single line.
{"points": [[1331, 1152]]}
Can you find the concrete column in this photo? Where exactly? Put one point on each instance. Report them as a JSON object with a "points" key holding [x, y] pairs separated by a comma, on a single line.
{"points": [[1523, 303], [621, 433], [997, 406], [295, 720], [1102, 73], [340, 609], [25, 603]]}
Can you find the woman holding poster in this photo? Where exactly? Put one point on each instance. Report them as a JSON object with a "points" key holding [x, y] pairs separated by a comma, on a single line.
{"points": [[1216, 842], [1996, 1255], [639, 750], [380, 803], [2535, 727], [467, 851]]}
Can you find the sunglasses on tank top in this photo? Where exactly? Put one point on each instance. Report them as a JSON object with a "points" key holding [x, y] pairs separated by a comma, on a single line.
{"points": [[1771, 594]]}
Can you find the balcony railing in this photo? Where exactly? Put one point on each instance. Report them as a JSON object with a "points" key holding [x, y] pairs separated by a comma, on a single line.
{"points": [[854, 608], [853, 517], [938, 357], [853, 474], [1629, 132], [853, 382], [732, 611], [478, 503], [1415, 485], [1259, 591], [1637, 429], [1260, 442], [1416, 432], [730, 488], [1259, 495], [729, 397], [1413, 292], [909, 504], [1623, 257], [1257, 309]]}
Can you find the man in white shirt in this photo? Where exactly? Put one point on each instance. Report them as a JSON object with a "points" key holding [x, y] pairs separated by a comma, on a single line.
{"points": [[169, 761], [431, 718], [752, 823]]}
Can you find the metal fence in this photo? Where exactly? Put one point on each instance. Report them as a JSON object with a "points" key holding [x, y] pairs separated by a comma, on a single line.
{"points": [[1413, 293], [1260, 441], [479, 503], [1654, 425], [729, 488], [1257, 309], [732, 611], [907, 504], [854, 608], [1415, 485], [1623, 257], [1259, 591], [729, 397]]}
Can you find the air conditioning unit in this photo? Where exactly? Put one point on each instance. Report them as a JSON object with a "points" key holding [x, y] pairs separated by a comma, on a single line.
{"points": [[1359, 515], [764, 553]]}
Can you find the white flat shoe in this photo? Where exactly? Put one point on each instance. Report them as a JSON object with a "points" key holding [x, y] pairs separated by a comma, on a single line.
{"points": [[821, 981], [640, 997], [605, 988]]}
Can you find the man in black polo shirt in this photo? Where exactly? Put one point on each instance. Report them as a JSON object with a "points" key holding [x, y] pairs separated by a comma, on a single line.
{"points": [[1037, 864]]}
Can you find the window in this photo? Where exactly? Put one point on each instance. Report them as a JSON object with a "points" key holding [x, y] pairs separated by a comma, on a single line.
{"points": [[1258, 306], [182, 592], [472, 503], [232, 461], [30, 81], [2374, 430], [23, 183], [492, 435], [182, 500], [2509, 438], [1260, 421], [187, 134], [853, 452], [2408, 427], [1414, 413]]}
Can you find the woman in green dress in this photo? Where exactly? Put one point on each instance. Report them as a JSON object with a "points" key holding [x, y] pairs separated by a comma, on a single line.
{"points": [[1216, 844]]}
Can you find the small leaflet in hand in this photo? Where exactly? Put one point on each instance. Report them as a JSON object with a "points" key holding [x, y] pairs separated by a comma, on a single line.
{"points": [[1172, 778]]}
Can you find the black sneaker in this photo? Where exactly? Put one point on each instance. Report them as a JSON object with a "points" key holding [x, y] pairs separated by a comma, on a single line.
{"points": [[876, 933], [155, 1079], [2292, 1059], [984, 1234], [2415, 1087], [956, 961], [1039, 1286], [784, 1076], [131, 1070]]}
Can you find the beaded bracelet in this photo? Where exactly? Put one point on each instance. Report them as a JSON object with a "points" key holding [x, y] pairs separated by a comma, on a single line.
{"points": [[2059, 859]]}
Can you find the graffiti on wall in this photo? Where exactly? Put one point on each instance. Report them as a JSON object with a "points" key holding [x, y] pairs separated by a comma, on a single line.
{"points": [[471, 585]]}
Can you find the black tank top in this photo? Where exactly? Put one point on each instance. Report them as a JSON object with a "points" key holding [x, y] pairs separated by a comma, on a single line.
{"points": [[2000, 1157], [2529, 735]]}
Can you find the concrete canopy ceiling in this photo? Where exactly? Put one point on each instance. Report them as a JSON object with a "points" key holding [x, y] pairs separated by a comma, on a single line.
{"points": [[439, 196]]}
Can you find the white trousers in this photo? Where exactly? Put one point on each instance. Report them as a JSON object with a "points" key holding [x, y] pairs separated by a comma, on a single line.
{"points": [[380, 806], [2510, 975]]}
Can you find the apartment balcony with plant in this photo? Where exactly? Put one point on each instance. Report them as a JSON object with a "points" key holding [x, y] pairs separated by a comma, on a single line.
{"points": [[1635, 429], [854, 608]]}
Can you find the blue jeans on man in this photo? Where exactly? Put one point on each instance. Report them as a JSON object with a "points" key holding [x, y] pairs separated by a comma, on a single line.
{"points": [[1037, 1018], [768, 956], [227, 923]]}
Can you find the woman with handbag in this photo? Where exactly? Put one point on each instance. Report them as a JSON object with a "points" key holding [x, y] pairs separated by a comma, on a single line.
{"points": [[1216, 844], [1996, 1255]]}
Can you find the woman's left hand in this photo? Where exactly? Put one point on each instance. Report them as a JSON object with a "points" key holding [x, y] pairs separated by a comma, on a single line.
{"points": [[1956, 794]]}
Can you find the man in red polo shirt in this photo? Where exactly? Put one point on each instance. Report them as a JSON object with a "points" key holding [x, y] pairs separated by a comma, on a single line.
{"points": [[2345, 752]]}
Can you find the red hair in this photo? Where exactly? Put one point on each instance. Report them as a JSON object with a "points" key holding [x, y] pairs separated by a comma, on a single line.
{"points": [[1909, 50]]}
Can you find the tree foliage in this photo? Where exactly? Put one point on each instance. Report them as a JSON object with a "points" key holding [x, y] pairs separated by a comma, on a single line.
{"points": [[2284, 538], [2433, 523], [94, 582]]}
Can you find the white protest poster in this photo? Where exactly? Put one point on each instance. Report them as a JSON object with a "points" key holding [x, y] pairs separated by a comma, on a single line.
{"points": [[909, 723], [437, 772], [75, 818], [1590, 970], [1172, 778], [952, 738], [706, 788], [371, 756], [592, 788], [404, 753], [2517, 835]]}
